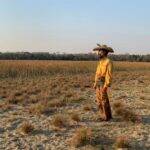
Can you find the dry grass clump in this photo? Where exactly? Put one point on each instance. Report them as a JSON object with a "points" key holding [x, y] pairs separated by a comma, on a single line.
{"points": [[59, 121], [69, 94], [75, 117], [33, 99], [87, 107], [118, 105], [75, 99], [3, 93], [39, 109], [142, 97], [33, 91], [126, 113], [13, 100], [5, 106], [26, 127], [56, 103], [122, 142], [82, 136], [17, 93]]}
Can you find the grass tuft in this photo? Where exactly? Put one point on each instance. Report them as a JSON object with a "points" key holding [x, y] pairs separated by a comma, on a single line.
{"points": [[122, 142], [126, 113], [56, 103], [75, 117], [82, 136], [26, 127], [59, 121], [87, 107], [39, 108]]}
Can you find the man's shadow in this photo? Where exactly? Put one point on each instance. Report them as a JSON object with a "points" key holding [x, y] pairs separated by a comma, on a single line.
{"points": [[146, 119]]}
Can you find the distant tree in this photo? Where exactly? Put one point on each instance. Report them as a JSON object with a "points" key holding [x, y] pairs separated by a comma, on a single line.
{"points": [[74, 57]]}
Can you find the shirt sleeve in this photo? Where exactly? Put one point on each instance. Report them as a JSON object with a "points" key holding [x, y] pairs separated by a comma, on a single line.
{"points": [[97, 72], [108, 77]]}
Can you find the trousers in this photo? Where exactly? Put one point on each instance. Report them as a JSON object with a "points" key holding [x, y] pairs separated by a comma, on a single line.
{"points": [[103, 103]]}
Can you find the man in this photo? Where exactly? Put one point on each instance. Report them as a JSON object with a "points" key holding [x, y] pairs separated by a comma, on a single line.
{"points": [[103, 78]]}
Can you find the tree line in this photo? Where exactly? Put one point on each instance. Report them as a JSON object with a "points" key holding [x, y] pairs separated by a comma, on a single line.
{"points": [[74, 57]]}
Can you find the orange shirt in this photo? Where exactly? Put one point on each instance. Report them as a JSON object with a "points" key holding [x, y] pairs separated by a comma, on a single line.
{"points": [[104, 69]]}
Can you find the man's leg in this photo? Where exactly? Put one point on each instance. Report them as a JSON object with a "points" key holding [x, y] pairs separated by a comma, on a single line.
{"points": [[99, 101], [106, 106]]}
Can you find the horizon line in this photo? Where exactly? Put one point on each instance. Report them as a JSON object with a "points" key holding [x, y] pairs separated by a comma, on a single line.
{"points": [[57, 52]]}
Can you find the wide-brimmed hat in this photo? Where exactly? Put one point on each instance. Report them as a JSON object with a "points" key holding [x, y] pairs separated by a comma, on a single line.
{"points": [[103, 47]]}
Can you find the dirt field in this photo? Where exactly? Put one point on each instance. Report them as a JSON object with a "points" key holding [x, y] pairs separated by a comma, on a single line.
{"points": [[51, 105]]}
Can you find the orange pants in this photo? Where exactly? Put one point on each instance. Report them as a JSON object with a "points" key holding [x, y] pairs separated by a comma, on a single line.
{"points": [[103, 104]]}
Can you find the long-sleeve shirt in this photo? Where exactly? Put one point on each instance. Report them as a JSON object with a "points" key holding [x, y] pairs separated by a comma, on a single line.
{"points": [[104, 69]]}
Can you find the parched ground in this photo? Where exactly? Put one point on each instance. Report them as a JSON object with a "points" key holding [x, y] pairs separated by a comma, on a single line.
{"points": [[38, 101]]}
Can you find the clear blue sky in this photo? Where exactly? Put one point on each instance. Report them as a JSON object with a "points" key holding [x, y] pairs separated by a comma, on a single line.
{"points": [[75, 25]]}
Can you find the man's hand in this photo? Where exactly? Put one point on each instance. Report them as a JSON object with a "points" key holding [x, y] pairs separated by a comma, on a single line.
{"points": [[94, 86], [104, 89]]}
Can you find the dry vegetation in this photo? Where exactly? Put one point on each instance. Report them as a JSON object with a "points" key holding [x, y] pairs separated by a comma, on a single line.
{"points": [[75, 117], [122, 142], [57, 98], [59, 121], [26, 127], [81, 137], [125, 113]]}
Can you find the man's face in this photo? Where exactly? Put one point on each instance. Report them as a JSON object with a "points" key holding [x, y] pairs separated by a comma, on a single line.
{"points": [[101, 54]]}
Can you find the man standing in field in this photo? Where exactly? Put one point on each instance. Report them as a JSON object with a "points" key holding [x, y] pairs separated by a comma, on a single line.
{"points": [[103, 78]]}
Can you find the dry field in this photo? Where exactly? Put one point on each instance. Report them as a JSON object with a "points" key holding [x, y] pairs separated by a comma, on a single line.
{"points": [[51, 105]]}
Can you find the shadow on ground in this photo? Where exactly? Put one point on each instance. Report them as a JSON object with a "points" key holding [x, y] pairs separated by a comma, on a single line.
{"points": [[146, 119]]}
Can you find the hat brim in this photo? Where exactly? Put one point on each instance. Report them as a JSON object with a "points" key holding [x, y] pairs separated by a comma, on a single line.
{"points": [[108, 49]]}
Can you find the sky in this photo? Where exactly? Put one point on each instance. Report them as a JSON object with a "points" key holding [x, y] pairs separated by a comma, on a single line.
{"points": [[74, 26]]}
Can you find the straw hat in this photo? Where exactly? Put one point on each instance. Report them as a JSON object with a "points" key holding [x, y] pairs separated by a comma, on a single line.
{"points": [[103, 47]]}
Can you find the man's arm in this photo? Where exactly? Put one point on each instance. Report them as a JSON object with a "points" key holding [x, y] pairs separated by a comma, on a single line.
{"points": [[108, 77], [96, 76]]}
